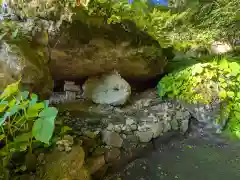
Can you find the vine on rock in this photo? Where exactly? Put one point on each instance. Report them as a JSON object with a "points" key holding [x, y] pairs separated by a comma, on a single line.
{"points": [[206, 83]]}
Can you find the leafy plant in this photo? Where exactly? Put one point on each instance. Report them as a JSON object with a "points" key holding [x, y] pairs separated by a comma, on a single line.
{"points": [[23, 120], [205, 83]]}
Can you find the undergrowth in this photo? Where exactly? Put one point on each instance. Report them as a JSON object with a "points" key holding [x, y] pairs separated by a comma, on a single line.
{"points": [[23, 121], [206, 83]]}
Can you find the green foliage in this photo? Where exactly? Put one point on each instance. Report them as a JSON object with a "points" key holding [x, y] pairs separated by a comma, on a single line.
{"points": [[23, 120], [185, 24], [188, 24], [206, 83]]}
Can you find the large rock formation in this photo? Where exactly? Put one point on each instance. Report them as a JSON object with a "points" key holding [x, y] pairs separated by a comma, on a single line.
{"points": [[89, 46], [87, 50]]}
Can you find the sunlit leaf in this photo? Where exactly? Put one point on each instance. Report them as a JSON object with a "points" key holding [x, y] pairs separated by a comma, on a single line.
{"points": [[222, 94], [235, 68], [10, 90], [230, 93], [223, 64]]}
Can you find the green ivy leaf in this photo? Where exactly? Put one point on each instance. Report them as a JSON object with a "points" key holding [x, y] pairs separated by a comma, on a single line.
{"points": [[44, 126], [223, 64], [230, 94], [222, 94], [235, 68], [197, 69]]}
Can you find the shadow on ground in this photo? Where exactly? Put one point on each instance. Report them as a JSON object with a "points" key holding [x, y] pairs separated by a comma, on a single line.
{"points": [[193, 158]]}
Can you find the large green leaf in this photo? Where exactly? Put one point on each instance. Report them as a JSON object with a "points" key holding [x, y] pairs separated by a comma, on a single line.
{"points": [[44, 126]]}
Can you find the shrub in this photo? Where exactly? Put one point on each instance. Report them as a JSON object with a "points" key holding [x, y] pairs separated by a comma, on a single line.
{"points": [[205, 83], [23, 120]]}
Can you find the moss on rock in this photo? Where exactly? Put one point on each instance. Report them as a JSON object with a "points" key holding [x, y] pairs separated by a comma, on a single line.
{"points": [[66, 166]]}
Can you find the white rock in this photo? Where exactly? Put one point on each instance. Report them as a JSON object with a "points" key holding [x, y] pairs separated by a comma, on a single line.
{"points": [[112, 138], [220, 47], [130, 121], [108, 89]]}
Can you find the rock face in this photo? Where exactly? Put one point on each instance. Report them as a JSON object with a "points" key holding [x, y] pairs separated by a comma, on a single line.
{"points": [[88, 50], [108, 89], [66, 166], [21, 60]]}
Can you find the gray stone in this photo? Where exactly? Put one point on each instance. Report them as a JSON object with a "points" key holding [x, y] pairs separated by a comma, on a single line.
{"points": [[144, 136], [130, 121], [133, 127], [157, 129], [184, 125], [112, 138], [167, 126], [207, 114], [132, 138], [110, 127], [174, 124]]}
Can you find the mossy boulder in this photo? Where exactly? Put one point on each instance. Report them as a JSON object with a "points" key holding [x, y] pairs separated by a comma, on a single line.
{"points": [[66, 166], [19, 59]]}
